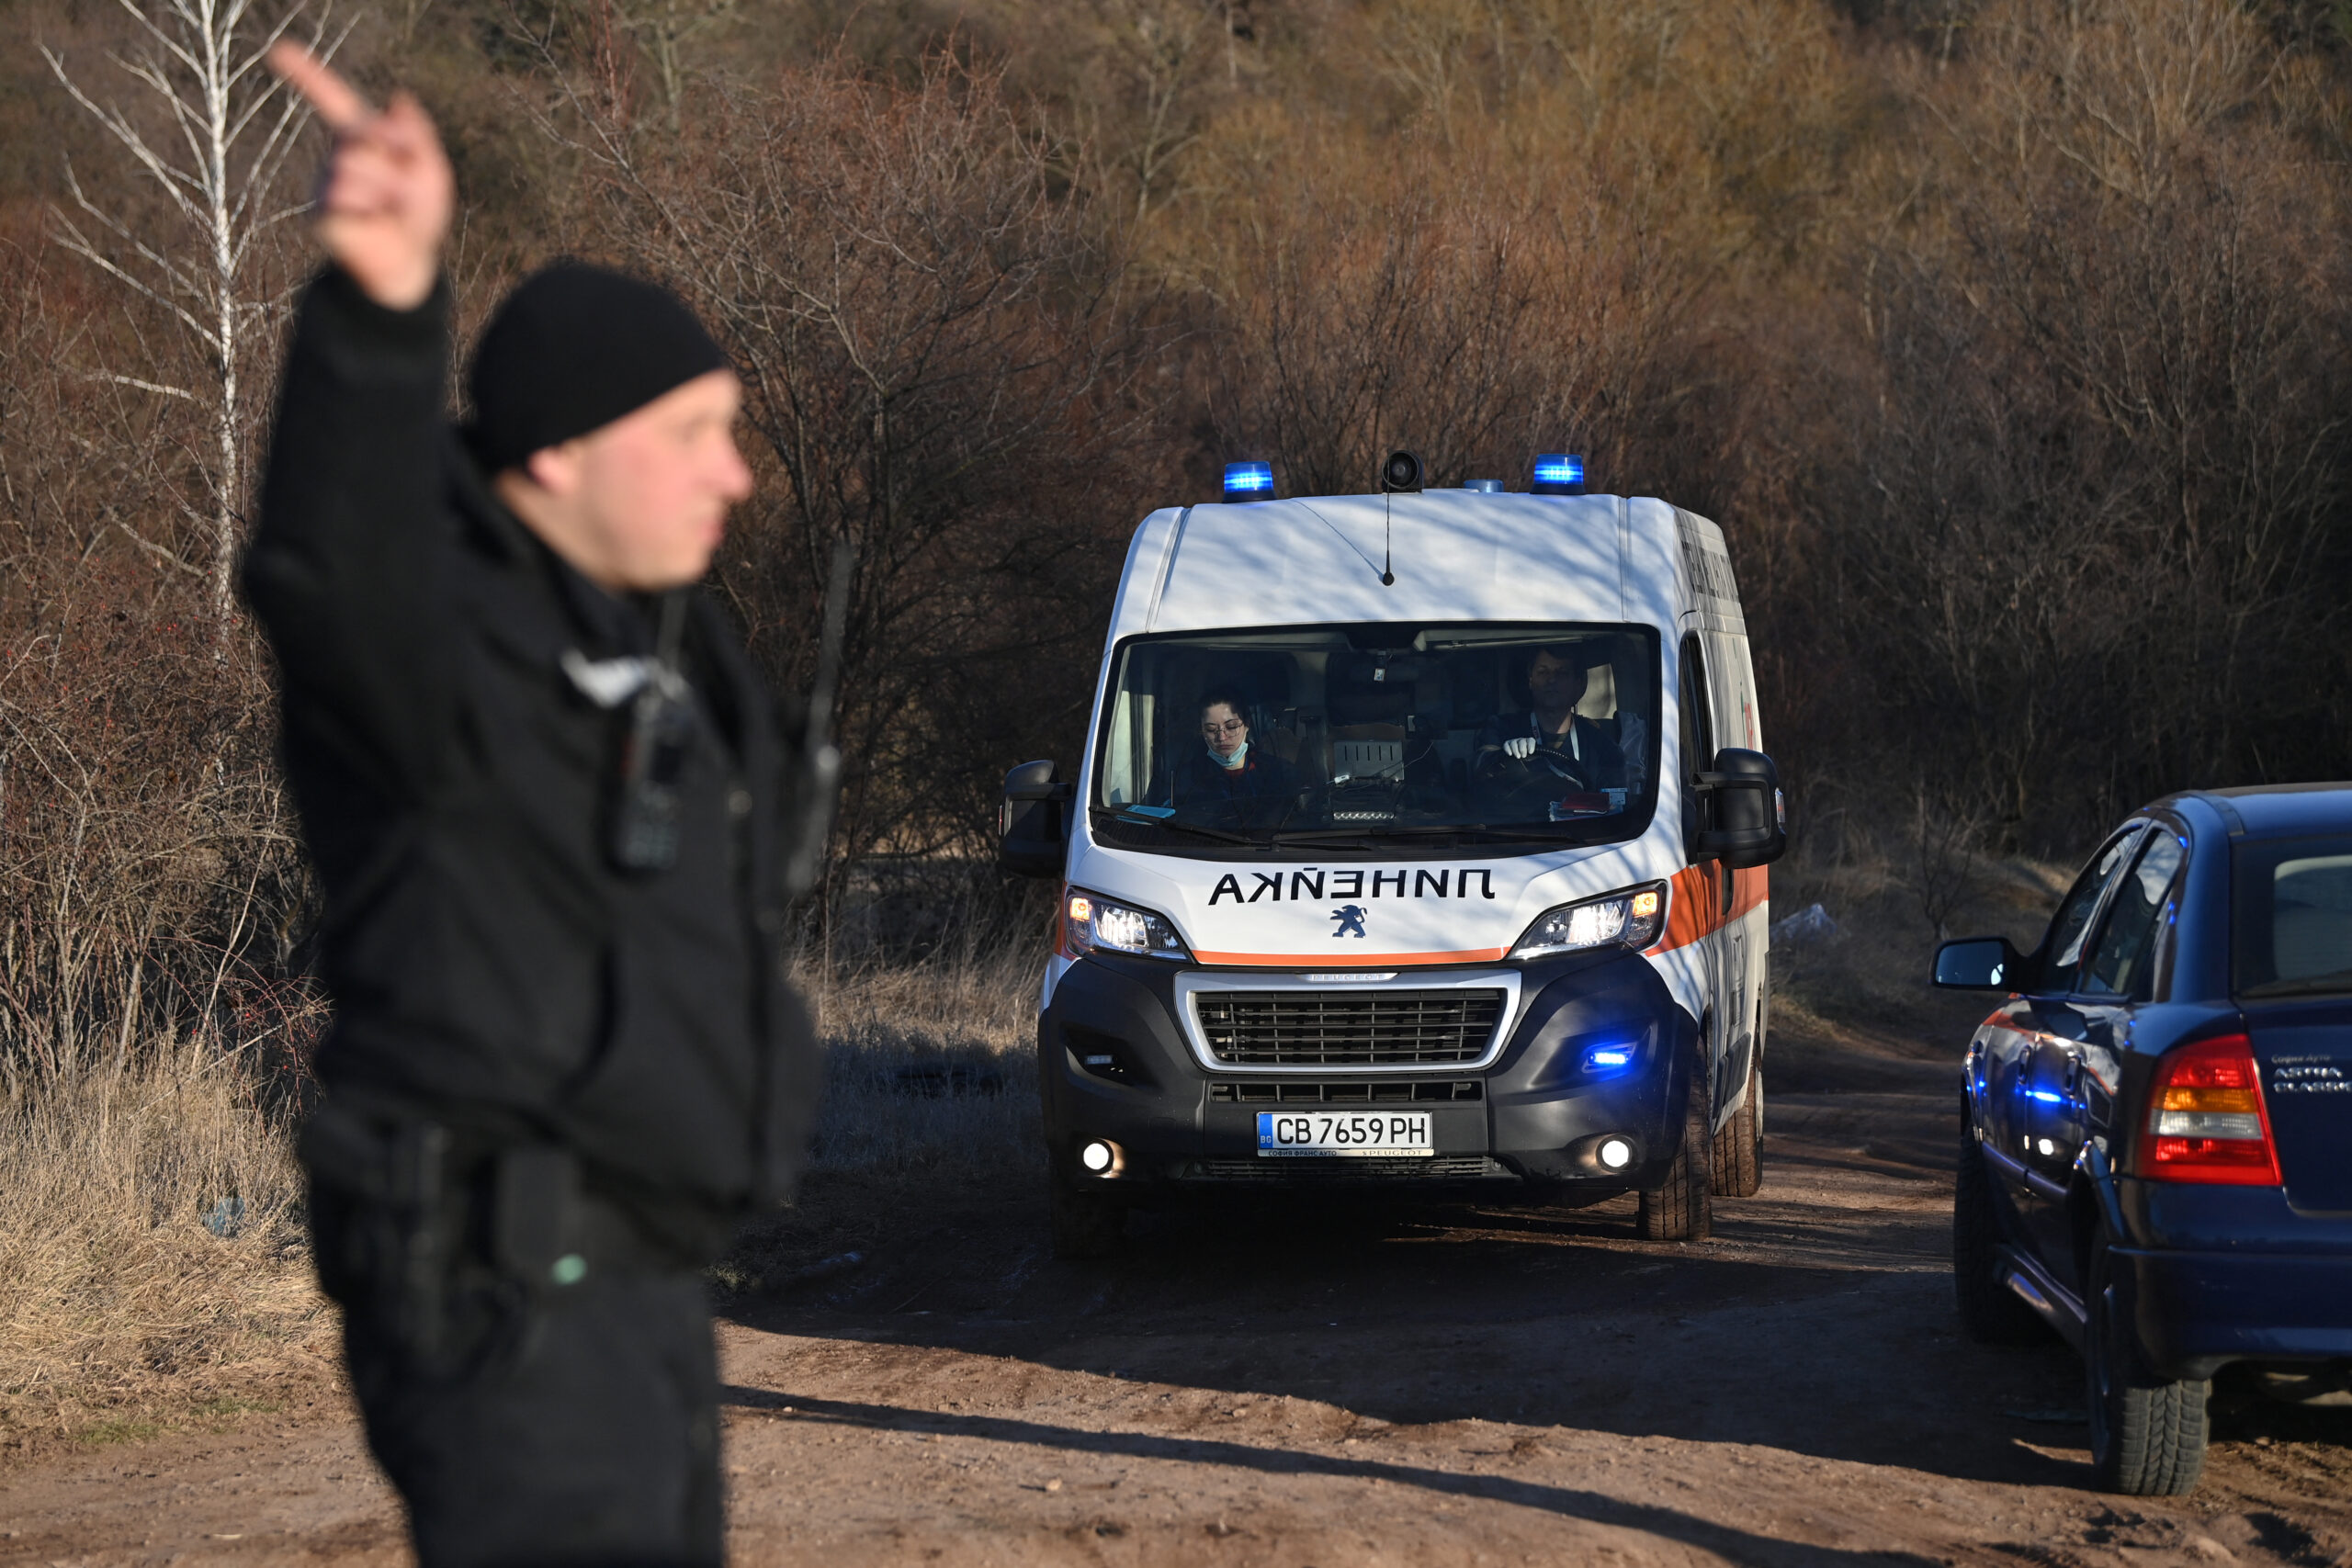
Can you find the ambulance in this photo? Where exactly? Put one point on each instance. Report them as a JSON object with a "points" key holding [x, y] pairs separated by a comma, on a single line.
{"points": [[1418, 847]]}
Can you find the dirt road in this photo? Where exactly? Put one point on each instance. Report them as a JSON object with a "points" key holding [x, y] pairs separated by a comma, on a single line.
{"points": [[1289, 1387]]}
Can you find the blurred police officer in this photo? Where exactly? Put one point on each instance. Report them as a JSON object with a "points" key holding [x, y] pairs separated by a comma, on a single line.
{"points": [[550, 806]]}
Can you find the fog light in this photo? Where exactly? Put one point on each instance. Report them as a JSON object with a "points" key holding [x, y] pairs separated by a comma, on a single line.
{"points": [[1097, 1156], [1616, 1153]]}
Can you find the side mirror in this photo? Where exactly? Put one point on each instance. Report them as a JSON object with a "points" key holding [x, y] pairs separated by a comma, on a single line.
{"points": [[1746, 826], [1980, 963], [1032, 825]]}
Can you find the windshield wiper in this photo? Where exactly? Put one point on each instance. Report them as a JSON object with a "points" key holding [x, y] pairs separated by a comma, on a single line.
{"points": [[1410, 831], [1120, 814]]}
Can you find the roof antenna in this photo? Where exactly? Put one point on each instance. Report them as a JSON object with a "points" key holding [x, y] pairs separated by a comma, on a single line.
{"points": [[1401, 472]]}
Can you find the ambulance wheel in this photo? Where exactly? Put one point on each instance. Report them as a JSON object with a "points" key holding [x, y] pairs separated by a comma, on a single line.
{"points": [[1087, 1222], [1679, 1210], [1740, 1146]]}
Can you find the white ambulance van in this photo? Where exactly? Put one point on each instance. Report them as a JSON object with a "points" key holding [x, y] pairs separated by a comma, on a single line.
{"points": [[1417, 846]]}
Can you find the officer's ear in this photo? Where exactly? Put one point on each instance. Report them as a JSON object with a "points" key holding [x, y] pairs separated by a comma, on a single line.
{"points": [[556, 469]]}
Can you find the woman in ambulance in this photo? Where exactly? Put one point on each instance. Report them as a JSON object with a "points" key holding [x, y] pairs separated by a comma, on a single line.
{"points": [[1224, 766]]}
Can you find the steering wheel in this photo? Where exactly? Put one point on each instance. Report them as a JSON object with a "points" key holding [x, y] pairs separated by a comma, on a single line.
{"points": [[1527, 790]]}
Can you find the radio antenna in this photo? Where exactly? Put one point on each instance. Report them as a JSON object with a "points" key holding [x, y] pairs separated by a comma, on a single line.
{"points": [[1387, 577]]}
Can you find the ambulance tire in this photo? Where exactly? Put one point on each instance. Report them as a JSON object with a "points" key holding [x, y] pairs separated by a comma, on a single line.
{"points": [[1681, 1210], [1740, 1146], [1086, 1224]]}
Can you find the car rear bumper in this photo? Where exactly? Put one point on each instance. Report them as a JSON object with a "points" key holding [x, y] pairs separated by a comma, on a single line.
{"points": [[2196, 1312]]}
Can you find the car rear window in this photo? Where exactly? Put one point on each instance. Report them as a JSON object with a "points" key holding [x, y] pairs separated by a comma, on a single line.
{"points": [[2293, 917]]}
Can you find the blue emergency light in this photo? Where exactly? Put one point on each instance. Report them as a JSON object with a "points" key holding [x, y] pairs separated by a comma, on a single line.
{"points": [[1248, 482], [1559, 473], [1602, 1060]]}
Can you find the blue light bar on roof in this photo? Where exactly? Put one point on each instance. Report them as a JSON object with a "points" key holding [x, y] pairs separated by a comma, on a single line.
{"points": [[1559, 473], [1248, 482]]}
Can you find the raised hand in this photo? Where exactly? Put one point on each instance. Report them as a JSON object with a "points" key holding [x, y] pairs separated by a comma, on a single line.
{"points": [[387, 193]]}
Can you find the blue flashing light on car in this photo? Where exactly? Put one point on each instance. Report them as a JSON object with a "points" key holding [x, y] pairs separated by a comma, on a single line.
{"points": [[1559, 473], [1248, 482], [1603, 1060]]}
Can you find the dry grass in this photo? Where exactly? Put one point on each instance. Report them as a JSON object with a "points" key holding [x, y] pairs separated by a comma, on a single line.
{"points": [[928, 1067], [121, 1314], [1865, 991], [931, 1101], [121, 1310]]}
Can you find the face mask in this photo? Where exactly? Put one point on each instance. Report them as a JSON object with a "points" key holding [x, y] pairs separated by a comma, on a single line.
{"points": [[1230, 763]]}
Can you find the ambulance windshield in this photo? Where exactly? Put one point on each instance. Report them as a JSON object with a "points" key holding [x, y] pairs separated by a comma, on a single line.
{"points": [[1442, 732]]}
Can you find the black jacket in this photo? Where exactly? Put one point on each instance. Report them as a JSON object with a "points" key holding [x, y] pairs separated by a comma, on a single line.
{"points": [[490, 968], [1198, 778]]}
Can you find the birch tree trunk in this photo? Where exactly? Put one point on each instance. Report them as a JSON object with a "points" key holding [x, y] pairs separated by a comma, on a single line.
{"points": [[213, 129]]}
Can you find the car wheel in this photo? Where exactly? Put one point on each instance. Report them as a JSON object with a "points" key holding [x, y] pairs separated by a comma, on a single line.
{"points": [[1087, 1222], [1679, 1210], [1989, 1310], [1739, 1147], [2147, 1432]]}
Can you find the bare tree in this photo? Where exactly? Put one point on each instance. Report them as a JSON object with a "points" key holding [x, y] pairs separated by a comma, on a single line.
{"points": [[1155, 55], [2097, 468], [1480, 327], [942, 372], [211, 132], [154, 889], [1428, 49], [1942, 866], [664, 29]]}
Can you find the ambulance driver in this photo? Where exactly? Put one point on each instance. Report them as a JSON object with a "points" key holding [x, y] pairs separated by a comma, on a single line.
{"points": [[1551, 749], [1224, 766]]}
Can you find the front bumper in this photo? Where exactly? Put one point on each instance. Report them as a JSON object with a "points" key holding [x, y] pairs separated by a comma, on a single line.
{"points": [[1534, 1116]]}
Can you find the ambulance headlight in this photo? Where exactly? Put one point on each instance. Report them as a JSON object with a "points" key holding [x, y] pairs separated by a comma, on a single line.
{"points": [[1631, 919], [1091, 921]]}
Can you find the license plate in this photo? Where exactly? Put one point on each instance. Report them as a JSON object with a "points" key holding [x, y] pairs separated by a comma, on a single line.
{"points": [[1405, 1133]]}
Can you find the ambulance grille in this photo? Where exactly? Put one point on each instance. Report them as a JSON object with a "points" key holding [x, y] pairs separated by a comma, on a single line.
{"points": [[1319, 1028]]}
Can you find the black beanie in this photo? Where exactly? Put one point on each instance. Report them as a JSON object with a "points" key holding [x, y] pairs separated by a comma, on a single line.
{"points": [[572, 349]]}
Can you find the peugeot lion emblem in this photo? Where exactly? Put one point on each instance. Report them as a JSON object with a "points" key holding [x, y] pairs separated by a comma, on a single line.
{"points": [[1351, 918]]}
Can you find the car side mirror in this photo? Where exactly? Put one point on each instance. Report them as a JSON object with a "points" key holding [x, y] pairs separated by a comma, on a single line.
{"points": [[1032, 825], [1747, 825], [1980, 963]]}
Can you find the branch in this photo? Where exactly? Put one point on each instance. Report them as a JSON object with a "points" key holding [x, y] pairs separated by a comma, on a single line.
{"points": [[111, 376], [158, 551], [170, 178], [75, 242]]}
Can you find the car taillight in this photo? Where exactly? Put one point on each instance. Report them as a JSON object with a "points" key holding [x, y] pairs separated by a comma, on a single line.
{"points": [[2206, 1119]]}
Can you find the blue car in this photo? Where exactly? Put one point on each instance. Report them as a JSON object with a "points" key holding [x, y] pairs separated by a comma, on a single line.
{"points": [[2156, 1131]]}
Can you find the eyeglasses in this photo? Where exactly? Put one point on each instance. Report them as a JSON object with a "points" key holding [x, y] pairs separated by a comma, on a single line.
{"points": [[1230, 726]]}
